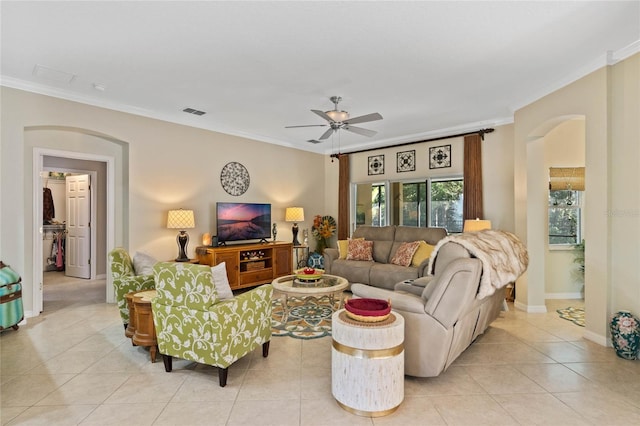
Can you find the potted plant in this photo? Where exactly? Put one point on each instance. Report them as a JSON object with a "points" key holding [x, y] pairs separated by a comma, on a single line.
{"points": [[578, 258]]}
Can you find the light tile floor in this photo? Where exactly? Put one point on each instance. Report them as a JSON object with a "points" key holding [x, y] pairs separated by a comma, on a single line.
{"points": [[73, 365]]}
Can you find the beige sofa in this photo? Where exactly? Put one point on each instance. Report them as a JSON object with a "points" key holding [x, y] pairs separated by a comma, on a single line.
{"points": [[386, 240], [442, 314]]}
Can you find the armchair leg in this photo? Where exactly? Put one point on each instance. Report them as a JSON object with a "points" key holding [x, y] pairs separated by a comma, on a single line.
{"points": [[168, 362], [222, 376], [265, 349]]}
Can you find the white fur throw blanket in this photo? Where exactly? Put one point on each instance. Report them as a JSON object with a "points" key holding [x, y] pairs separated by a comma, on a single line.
{"points": [[504, 258]]}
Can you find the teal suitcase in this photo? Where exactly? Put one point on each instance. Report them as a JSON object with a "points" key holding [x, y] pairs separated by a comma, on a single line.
{"points": [[11, 309]]}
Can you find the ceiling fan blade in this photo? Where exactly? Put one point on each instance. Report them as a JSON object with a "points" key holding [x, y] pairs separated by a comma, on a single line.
{"points": [[364, 118], [326, 134], [322, 114], [360, 131], [306, 125]]}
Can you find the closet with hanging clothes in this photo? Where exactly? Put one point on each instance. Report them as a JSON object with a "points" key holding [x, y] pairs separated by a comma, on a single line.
{"points": [[53, 229]]}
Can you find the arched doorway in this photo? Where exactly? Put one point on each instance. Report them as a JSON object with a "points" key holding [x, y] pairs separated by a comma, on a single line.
{"points": [[557, 141], [54, 141]]}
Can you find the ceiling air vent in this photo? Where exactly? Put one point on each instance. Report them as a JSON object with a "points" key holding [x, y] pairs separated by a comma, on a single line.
{"points": [[193, 111], [314, 141]]}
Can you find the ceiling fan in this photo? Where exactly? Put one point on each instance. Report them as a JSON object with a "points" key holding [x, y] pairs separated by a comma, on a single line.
{"points": [[340, 120]]}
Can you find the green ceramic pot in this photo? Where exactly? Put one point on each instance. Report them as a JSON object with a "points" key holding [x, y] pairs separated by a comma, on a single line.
{"points": [[625, 334]]}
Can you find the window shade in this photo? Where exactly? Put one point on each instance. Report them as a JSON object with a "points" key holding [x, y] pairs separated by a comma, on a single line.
{"points": [[566, 178]]}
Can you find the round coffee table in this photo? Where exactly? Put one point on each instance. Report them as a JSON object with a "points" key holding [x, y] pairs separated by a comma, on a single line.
{"points": [[328, 285]]}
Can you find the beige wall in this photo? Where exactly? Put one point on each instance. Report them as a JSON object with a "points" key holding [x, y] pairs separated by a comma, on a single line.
{"points": [[158, 166], [608, 99], [623, 211]]}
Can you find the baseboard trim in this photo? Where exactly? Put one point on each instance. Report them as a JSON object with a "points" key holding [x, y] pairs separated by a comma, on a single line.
{"points": [[563, 296], [597, 338], [101, 277], [534, 309]]}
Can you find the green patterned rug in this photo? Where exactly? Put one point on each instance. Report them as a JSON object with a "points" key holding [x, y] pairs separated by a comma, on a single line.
{"points": [[575, 315], [310, 319]]}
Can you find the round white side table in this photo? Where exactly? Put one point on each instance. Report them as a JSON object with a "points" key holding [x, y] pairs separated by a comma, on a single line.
{"points": [[367, 364]]}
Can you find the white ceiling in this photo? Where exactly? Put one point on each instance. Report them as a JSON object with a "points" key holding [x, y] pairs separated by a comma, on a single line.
{"points": [[430, 68]]}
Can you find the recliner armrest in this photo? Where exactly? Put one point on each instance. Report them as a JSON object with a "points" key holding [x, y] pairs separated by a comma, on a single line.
{"points": [[330, 254], [455, 289], [399, 300]]}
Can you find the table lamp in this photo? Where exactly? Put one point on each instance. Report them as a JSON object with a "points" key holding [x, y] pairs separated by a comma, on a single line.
{"points": [[181, 219], [295, 215], [472, 225]]}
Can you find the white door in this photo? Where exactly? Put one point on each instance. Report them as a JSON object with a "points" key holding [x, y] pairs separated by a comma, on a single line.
{"points": [[78, 245]]}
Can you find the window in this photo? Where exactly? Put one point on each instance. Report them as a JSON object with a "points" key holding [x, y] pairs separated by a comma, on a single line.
{"points": [[414, 204], [378, 205], [445, 197], [564, 217], [431, 202]]}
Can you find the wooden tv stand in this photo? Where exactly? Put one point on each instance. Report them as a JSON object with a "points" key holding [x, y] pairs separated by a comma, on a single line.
{"points": [[249, 265]]}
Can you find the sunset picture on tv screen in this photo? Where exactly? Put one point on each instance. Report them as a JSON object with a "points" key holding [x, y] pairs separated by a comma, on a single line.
{"points": [[243, 221]]}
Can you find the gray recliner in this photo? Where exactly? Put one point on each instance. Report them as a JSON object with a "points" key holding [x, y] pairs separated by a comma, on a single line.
{"points": [[441, 312]]}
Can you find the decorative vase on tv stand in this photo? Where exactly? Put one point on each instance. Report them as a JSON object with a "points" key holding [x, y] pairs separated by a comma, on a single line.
{"points": [[625, 334]]}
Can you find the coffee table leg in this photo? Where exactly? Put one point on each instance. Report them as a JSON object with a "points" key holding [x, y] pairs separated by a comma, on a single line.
{"points": [[285, 307], [332, 301]]}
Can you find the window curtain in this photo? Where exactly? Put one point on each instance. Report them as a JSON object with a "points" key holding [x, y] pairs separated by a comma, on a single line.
{"points": [[472, 193], [343, 197]]}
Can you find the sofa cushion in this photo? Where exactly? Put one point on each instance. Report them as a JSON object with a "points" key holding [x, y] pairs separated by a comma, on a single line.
{"points": [[382, 251], [355, 271], [143, 263], [411, 233], [221, 281], [343, 247], [360, 250], [386, 275], [422, 253], [381, 233], [404, 254]]}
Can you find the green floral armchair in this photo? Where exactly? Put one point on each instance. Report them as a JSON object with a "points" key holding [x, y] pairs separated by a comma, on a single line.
{"points": [[125, 280], [193, 323]]}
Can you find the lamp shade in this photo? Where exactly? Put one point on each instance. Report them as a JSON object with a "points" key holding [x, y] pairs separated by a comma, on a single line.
{"points": [[294, 214], [476, 225], [181, 219]]}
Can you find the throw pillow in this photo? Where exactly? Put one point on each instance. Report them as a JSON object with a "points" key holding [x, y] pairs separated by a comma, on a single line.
{"points": [[221, 281], [405, 253], [360, 250], [143, 263], [343, 247], [423, 253]]}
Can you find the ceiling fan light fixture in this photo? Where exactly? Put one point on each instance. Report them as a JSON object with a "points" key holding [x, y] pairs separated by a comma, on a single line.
{"points": [[338, 116]]}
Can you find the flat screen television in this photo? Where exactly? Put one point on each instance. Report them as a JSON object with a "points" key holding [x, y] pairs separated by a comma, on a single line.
{"points": [[243, 221]]}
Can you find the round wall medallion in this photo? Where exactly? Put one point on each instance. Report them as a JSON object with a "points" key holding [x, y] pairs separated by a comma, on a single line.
{"points": [[234, 178]]}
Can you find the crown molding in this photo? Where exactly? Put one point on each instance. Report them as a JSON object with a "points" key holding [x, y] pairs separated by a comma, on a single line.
{"points": [[624, 53], [609, 58], [41, 89]]}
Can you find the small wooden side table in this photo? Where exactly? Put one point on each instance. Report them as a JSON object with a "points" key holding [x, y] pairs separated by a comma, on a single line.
{"points": [[145, 331]]}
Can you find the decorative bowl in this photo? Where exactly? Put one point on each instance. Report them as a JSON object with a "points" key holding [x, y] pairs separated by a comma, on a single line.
{"points": [[309, 274], [368, 310]]}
